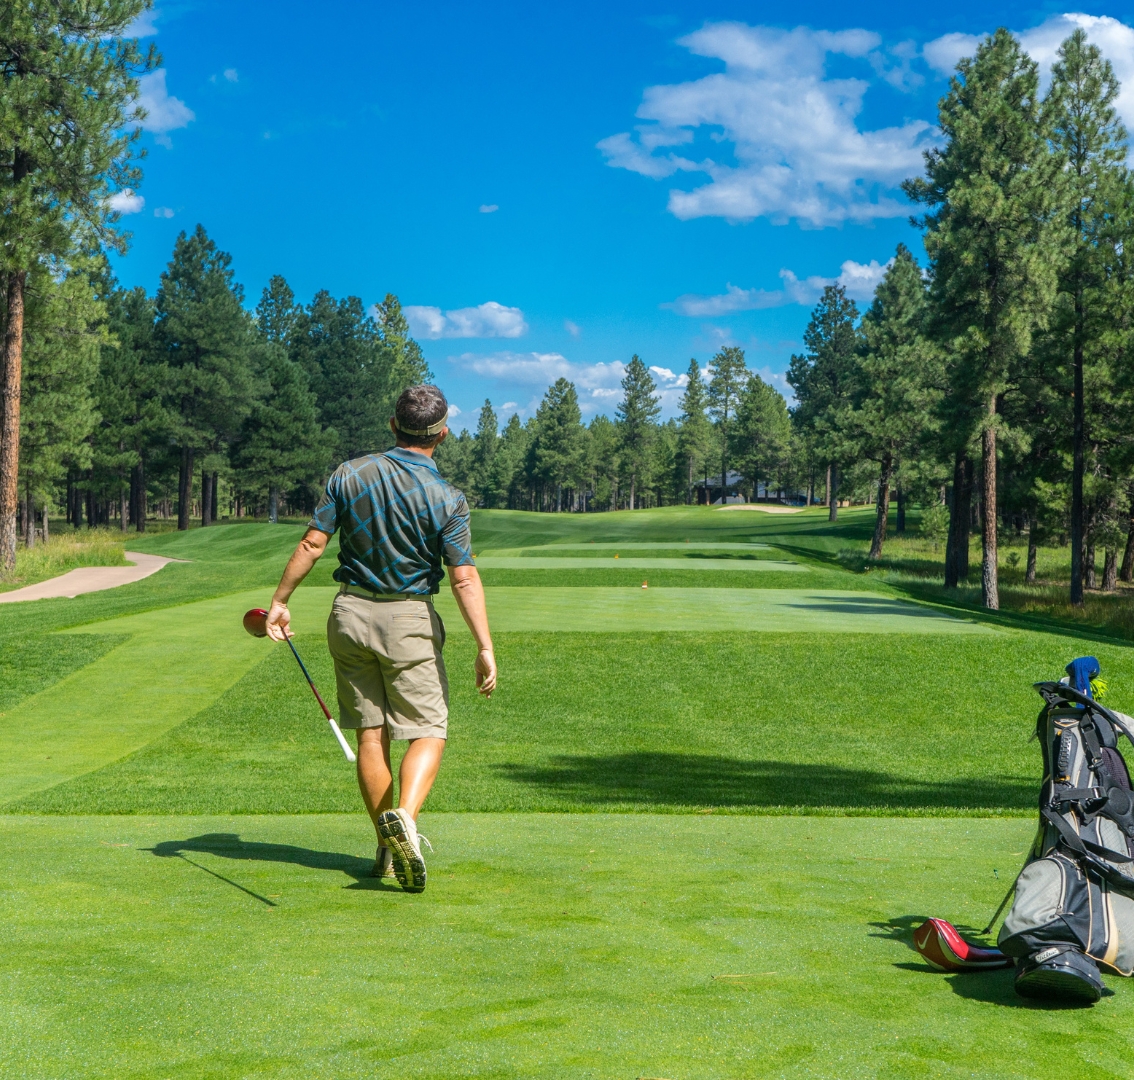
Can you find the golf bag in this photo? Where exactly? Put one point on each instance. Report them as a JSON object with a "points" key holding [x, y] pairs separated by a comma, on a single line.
{"points": [[1074, 903]]}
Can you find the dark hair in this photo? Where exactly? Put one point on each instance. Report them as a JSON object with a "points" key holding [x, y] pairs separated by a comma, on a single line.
{"points": [[418, 409]]}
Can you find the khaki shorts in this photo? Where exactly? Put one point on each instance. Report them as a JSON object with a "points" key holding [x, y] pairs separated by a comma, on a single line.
{"points": [[388, 666]]}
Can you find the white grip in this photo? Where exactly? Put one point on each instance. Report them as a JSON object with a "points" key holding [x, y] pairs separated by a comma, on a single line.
{"points": [[342, 741]]}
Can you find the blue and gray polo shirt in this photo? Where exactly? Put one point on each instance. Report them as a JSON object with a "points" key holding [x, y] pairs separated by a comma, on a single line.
{"points": [[400, 523]]}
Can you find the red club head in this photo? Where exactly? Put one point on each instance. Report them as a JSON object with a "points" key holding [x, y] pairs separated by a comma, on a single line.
{"points": [[256, 622]]}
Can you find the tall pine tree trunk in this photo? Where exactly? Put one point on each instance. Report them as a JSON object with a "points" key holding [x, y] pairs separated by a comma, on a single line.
{"points": [[1091, 575], [11, 377], [901, 511], [1110, 570], [633, 488], [274, 504], [832, 492], [138, 482], [1077, 462], [883, 513], [1127, 573], [215, 494], [46, 525], [989, 576], [1033, 548], [958, 537], [206, 498], [184, 488]]}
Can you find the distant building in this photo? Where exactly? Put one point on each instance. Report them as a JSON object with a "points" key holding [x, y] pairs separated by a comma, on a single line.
{"points": [[708, 491]]}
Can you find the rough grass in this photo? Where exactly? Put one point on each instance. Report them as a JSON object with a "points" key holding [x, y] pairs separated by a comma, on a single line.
{"points": [[545, 947], [670, 722], [915, 566], [96, 547]]}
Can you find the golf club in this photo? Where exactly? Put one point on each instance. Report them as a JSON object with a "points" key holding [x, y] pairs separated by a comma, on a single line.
{"points": [[256, 623]]}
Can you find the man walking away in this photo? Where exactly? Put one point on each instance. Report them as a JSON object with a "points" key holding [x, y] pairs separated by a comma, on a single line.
{"points": [[399, 525]]}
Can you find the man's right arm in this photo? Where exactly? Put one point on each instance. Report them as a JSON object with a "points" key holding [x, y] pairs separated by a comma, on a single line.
{"points": [[305, 556], [469, 594]]}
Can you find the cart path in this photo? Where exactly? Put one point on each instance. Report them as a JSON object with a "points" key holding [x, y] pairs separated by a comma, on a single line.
{"points": [[88, 579]]}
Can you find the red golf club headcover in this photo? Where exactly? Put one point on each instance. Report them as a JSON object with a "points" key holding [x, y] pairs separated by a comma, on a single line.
{"points": [[256, 622], [945, 949]]}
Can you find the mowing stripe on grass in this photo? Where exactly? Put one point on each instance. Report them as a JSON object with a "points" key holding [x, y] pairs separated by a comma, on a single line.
{"points": [[540, 562], [176, 661], [774, 610]]}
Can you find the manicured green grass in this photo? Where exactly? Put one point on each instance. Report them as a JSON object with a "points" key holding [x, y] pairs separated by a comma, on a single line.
{"points": [[803, 764], [545, 946], [671, 722]]}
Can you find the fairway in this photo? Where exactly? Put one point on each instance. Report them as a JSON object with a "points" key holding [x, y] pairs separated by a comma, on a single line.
{"points": [[687, 838]]}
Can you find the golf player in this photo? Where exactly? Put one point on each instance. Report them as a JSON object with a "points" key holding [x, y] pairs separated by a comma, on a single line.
{"points": [[399, 525]]}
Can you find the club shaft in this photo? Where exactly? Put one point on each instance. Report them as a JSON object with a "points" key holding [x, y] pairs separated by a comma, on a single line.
{"points": [[350, 755], [310, 681]]}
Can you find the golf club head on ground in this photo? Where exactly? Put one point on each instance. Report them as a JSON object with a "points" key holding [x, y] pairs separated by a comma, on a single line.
{"points": [[256, 622]]}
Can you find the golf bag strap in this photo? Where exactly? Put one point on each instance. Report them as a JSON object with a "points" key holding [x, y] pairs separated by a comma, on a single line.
{"points": [[1081, 848], [1085, 848]]}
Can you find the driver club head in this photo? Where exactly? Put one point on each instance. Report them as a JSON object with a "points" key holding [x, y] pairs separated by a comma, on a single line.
{"points": [[256, 622]]}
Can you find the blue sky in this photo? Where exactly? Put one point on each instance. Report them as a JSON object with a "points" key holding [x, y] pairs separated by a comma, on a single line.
{"points": [[551, 188]]}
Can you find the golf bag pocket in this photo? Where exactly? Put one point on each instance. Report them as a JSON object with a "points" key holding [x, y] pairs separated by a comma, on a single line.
{"points": [[1052, 907]]}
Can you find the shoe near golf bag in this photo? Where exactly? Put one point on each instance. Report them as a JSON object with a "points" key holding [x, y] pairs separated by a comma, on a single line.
{"points": [[1073, 909]]}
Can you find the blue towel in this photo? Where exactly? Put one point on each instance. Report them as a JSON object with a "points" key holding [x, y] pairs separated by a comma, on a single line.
{"points": [[1082, 671]]}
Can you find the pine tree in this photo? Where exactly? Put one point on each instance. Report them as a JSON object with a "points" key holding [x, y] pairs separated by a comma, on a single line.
{"points": [[761, 435], [357, 365], [64, 328], [277, 313], [204, 335], [281, 444], [556, 446], [637, 416], [994, 242], [695, 438], [823, 379], [129, 391], [604, 460], [508, 464], [484, 454], [730, 376], [1091, 140], [897, 375], [66, 100]]}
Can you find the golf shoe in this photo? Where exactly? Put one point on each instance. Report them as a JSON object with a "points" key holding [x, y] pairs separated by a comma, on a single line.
{"points": [[399, 831]]}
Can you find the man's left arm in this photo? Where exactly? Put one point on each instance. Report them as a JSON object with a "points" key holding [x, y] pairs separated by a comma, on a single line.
{"points": [[305, 556]]}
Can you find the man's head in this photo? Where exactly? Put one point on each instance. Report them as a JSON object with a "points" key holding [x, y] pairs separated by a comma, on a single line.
{"points": [[419, 417]]}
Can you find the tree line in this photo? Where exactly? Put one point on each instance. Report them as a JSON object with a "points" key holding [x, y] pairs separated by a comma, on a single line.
{"points": [[988, 387], [186, 401]]}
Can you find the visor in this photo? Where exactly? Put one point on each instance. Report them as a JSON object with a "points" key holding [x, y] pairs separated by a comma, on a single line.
{"points": [[423, 433]]}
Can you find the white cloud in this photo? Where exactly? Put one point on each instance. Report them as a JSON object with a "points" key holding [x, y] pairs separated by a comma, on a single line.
{"points": [[491, 320], [231, 75], [508, 405], [163, 212], [794, 132], [126, 201], [542, 369], [143, 25], [164, 113], [571, 328], [488, 208], [859, 279], [942, 53], [454, 411]]}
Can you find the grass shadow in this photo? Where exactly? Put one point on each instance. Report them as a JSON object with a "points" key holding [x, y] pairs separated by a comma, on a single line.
{"points": [[230, 846], [682, 779]]}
